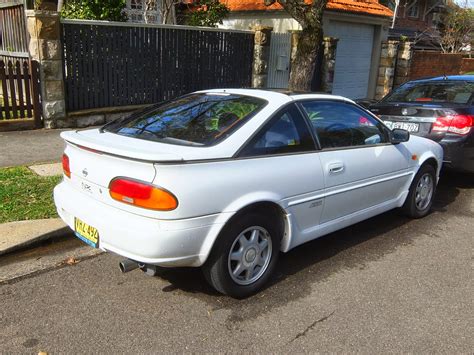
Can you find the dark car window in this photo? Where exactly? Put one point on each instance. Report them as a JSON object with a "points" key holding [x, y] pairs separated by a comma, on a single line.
{"points": [[338, 124], [197, 119], [443, 91], [287, 132]]}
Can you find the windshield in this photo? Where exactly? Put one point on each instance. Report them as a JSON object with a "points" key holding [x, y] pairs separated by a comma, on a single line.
{"points": [[197, 119], [436, 92]]}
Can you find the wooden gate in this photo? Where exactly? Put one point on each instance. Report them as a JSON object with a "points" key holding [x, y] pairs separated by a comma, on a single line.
{"points": [[19, 91], [19, 76]]}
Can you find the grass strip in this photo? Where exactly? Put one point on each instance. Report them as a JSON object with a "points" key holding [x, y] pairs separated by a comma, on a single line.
{"points": [[25, 195]]}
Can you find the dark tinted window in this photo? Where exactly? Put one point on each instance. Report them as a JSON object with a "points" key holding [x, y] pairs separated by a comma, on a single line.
{"points": [[452, 92], [287, 132], [198, 119], [343, 125]]}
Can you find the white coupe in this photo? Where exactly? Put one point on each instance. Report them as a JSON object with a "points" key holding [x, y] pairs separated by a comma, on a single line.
{"points": [[227, 179]]}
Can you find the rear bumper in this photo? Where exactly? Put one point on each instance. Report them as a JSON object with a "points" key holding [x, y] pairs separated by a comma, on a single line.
{"points": [[458, 155], [184, 242]]}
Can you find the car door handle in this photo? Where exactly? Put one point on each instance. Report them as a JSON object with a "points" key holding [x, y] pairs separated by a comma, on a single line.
{"points": [[336, 168]]}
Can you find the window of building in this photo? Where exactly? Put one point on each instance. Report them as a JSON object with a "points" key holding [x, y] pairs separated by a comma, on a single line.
{"points": [[413, 9]]}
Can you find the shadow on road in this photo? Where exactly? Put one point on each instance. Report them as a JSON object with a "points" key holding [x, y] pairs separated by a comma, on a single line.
{"points": [[449, 187], [302, 268]]}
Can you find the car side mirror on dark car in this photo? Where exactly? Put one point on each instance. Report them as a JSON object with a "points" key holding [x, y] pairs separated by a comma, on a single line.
{"points": [[399, 135]]}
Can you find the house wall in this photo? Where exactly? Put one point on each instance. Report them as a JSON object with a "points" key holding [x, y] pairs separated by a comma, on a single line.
{"points": [[281, 21], [419, 23]]}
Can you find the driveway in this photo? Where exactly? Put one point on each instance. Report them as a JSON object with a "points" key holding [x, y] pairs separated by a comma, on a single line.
{"points": [[388, 284], [29, 147]]}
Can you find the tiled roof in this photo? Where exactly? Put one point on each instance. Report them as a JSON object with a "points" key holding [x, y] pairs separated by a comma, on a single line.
{"points": [[367, 7]]}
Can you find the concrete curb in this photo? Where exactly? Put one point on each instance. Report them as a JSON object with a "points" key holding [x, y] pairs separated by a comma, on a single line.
{"points": [[19, 235]]}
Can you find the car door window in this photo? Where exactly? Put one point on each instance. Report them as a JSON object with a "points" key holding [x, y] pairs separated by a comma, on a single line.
{"points": [[287, 132], [337, 124]]}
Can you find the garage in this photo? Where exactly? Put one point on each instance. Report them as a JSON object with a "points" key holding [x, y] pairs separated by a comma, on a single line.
{"points": [[353, 57]]}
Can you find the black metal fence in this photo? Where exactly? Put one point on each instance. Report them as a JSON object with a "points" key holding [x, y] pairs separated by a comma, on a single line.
{"points": [[117, 64]]}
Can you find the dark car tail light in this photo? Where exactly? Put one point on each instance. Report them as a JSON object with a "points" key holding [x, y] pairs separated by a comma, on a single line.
{"points": [[66, 167], [458, 124], [142, 194]]}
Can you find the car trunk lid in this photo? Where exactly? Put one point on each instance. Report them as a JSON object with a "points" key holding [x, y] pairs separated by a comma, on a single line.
{"points": [[122, 146], [416, 118], [96, 159]]}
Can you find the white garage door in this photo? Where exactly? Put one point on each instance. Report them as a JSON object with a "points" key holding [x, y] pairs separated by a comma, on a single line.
{"points": [[353, 57]]}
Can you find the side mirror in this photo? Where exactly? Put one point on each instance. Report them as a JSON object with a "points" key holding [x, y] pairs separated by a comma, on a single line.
{"points": [[399, 135]]}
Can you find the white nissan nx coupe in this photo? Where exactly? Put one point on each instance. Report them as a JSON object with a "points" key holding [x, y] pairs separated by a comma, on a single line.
{"points": [[227, 179]]}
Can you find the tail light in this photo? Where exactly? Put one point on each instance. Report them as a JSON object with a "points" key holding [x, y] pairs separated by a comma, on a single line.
{"points": [[142, 194], [66, 167], [458, 124]]}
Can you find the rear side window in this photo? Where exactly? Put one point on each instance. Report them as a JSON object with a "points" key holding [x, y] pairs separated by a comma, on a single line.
{"points": [[450, 92], [197, 119], [338, 124], [287, 132]]}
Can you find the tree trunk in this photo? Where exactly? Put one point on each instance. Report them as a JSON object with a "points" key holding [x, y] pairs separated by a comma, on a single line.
{"points": [[310, 17], [303, 65]]}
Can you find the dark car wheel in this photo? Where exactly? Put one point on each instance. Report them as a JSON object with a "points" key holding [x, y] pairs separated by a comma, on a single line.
{"points": [[244, 257], [421, 193]]}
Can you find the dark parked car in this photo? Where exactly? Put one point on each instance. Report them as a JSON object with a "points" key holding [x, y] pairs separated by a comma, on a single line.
{"points": [[441, 109]]}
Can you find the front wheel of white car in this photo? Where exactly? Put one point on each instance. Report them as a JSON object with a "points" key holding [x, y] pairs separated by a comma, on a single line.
{"points": [[244, 256], [421, 195]]}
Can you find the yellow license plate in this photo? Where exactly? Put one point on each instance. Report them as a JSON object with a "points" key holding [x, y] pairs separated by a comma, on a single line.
{"points": [[86, 233]]}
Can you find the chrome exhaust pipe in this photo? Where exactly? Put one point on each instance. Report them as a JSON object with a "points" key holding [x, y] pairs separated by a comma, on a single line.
{"points": [[127, 265]]}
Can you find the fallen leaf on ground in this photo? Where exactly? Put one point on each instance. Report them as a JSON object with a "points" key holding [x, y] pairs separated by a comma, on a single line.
{"points": [[69, 261]]}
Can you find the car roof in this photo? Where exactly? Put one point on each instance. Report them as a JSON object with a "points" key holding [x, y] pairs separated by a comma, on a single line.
{"points": [[445, 78], [275, 94]]}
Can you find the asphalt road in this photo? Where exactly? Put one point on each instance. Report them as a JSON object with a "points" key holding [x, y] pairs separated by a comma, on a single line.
{"points": [[388, 284]]}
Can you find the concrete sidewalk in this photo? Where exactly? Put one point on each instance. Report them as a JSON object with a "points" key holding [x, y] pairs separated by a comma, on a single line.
{"points": [[22, 234], [30, 147]]}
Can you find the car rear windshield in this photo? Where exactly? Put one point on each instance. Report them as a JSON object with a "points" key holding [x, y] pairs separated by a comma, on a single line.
{"points": [[436, 92], [200, 119]]}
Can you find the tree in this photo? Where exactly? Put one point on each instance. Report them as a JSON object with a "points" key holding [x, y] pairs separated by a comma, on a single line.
{"points": [[108, 10], [309, 15], [208, 13], [456, 31], [168, 11]]}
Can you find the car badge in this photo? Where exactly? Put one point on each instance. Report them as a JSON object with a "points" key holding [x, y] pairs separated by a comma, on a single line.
{"points": [[408, 111], [85, 172]]}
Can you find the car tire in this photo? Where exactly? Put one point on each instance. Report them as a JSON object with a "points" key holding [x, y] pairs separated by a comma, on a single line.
{"points": [[251, 241], [421, 194]]}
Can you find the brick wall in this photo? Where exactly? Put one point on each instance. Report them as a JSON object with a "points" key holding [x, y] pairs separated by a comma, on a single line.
{"points": [[420, 23], [412, 24], [399, 63], [425, 64], [467, 65]]}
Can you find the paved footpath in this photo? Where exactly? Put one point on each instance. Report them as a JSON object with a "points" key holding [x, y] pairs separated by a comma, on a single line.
{"points": [[30, 147]]}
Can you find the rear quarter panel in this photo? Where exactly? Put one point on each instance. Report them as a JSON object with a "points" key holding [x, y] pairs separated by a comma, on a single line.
{"points": [[229, 185]]}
